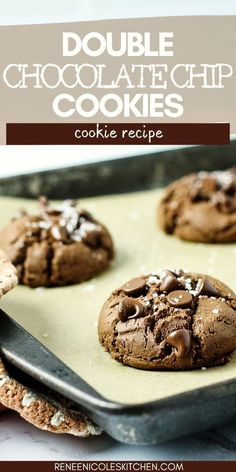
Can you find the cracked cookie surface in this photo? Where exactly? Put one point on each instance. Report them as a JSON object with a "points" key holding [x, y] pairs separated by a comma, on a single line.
{"points": [[201, 207], [56, 247], [170, 320]]}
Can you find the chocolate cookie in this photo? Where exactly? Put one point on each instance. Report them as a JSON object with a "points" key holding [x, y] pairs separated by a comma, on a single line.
{"points": [[172, 320], [201, 207], [48, 411], [56, 246]]}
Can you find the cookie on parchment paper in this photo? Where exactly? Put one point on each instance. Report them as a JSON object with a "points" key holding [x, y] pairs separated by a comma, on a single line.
{"points": [[201, 207], [57, 246], [170, 320]]}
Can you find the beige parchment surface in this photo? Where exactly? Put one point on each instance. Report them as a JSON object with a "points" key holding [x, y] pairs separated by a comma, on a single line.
{"points": [[65, 319]]}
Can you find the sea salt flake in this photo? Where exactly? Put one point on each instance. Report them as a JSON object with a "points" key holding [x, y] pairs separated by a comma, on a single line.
{"points": [[193, 292], [44, 224], [28, 399], [39, 290], [202, 174], [89, 288], [146, 302], [153, 280], [224, 178], [216, 311], [4, 379], [87, 227], [57, 419]]}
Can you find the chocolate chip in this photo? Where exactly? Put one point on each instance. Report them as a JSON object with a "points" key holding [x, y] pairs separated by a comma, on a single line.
{"points": [[84, 215], [179, 298], [178, 272], [130, 308], [181, 341], [92, 238], [53, 212], [169, 282], [206, 288], [134, 287]]}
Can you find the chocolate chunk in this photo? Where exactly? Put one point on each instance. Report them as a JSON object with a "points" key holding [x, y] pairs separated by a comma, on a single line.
{"points": [[130, 308], [92, 238], [179, 298], [178, 272], [84, 215], [53, 212], [134, 287], [169, 282], [181, 341], [206, 288]]}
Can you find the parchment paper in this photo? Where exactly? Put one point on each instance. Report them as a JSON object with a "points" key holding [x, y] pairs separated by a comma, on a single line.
{"points": [[65, 319]]}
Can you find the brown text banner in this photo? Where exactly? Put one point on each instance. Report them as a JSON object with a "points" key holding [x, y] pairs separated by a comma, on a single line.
{"points": [[117, 133], [118, 466]]}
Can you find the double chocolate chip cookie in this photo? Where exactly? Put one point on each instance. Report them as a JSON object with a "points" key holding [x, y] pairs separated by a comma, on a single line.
{"points": [[56, 246], [201, 207], [172, 320]]}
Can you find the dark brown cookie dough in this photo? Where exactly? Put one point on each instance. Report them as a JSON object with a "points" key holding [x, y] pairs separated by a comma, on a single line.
{"points": [[57, 246], [201, 207], [172, 320]]}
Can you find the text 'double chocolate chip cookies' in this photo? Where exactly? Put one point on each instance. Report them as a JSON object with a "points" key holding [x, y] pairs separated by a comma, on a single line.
{"points": [[201, 207], [56, 246], [171, 320]]}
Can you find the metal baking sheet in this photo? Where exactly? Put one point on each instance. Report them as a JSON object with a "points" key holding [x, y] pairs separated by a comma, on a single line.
{"points": [[136, 173], [65, 319]]}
